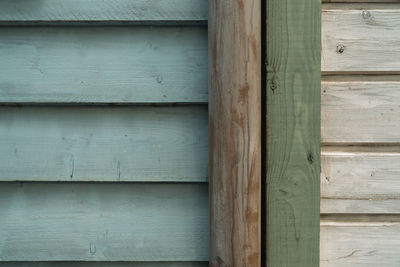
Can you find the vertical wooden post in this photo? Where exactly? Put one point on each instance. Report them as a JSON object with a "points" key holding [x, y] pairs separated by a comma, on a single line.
{"points": [[293, 132], [235, 132]]}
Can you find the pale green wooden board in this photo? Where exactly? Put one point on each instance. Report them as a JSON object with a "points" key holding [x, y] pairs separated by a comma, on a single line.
{"points": [[103, 143], [103, 222], [103, 264], [45, 12], [103, 64]]}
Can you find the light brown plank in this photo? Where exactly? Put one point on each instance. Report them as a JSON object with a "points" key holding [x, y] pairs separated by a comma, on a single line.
{"points": [[360, 110], [235, 132], [361, 37]]}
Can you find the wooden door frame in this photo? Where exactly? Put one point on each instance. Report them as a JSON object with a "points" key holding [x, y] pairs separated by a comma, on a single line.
{"points": [[292, 133]]}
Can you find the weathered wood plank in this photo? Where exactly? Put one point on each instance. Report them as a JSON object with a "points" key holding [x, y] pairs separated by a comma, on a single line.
{"points": [[360, 244], [356, 175], [103, 222], [363, 38], [26, 12], [360, 111], [235, 132], [360, 206], [83, 143], [293, 132], [103, 65], [360, 180], [103, 264]]}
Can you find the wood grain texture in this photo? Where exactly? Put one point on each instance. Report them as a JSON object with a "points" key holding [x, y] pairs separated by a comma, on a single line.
{"points": [[103, 222], [50, 12], [360, 181], [360, 244], [103, 264], [360, 175], [103, 65], [293, 132], [84, 143], [360, 206], [235, 132], [364, 38], [360, 111]]}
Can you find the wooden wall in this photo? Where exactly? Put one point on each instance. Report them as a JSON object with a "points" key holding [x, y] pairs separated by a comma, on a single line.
{"points": [[103, 133], [360, 180]]}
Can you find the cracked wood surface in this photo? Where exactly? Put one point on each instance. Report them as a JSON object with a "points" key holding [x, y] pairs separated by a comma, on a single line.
{"points": [[234, 132]]}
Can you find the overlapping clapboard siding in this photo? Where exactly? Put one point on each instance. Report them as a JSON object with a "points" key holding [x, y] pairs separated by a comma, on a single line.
{"points": [[59, 12], [360, 190], [104, 126], [103, 264], [103, 64]]}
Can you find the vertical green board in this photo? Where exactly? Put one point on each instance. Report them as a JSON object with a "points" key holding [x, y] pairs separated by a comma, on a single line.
{"points": [[293, 62]]}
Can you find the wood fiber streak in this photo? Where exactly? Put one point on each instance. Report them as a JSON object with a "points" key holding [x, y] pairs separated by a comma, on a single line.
{"points": [[235, 132], [293, 132]]}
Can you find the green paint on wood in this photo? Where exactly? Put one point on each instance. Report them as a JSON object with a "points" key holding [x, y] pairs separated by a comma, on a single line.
{"points": [[103, 65], [104, 222], [102, 143], [56, 12], [293, 132], [103, 264]]}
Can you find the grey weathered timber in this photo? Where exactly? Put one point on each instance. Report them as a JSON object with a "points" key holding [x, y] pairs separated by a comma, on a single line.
{"points": [[362, 175], [103, 65], [293, 132], [360, 109], [235, 132], [103, 222], [361, 38], [56, 12], [103, 143], [360, 241]]}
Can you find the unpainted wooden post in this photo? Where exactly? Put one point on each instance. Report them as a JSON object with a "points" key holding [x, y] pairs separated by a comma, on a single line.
{"points": [[235, 132]]}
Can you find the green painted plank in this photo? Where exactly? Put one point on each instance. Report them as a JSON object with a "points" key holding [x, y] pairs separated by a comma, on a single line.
{"points": [[103, 264], [103, 222], [27, 12], [102, 143], [293, 132], [103, 65]]}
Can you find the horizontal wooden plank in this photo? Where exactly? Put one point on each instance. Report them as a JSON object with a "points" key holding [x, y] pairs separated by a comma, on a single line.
{"points": [[17, 12], [360, 111], [359, 244], [87, 143], [361, 38], [103, 64], [103, 222], [103, 264], [360, 175], [360, 180], [360, 206]]}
